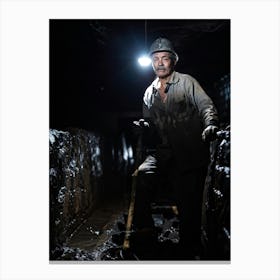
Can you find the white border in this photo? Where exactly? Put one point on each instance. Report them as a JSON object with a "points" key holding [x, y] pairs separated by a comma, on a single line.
{"points": [[24, 138]]}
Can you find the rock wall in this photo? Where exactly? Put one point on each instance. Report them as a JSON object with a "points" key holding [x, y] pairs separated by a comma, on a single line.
{"points": [[76, 181], [222, 101], [216, 224]]}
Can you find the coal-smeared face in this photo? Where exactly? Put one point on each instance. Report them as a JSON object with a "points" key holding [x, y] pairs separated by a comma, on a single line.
{"points": [[162, 63]]}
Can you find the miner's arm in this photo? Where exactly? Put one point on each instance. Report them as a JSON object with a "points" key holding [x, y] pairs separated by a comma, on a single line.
{"points": [[204, 105]]}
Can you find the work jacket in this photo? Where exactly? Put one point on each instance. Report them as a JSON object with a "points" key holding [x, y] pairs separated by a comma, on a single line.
{"points": [[180, 120]]}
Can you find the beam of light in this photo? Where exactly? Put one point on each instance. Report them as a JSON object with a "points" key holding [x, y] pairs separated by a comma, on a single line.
{"points": [[144, 61]]}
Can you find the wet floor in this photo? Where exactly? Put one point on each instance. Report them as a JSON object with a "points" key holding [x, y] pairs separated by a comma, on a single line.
{"points": [[101, 236]]}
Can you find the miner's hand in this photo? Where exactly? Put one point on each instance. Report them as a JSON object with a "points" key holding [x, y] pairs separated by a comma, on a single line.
{"points": [[139, 127], [209, 133], [141, 123]]}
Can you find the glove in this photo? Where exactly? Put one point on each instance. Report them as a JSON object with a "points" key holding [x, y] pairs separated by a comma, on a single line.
{"points": [[139, 127], [141, 123], [209, 133]]}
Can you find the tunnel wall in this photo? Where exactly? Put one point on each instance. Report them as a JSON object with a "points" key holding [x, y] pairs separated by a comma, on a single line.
{"points": [[75, 180], [222, 101], [216, 218]]}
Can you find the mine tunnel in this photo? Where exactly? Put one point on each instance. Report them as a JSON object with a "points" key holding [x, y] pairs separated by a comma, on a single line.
{"points": [[96, 93]]}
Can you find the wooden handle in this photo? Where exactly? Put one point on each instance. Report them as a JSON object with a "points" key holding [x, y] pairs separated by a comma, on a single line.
{"points": [[126, 243]]}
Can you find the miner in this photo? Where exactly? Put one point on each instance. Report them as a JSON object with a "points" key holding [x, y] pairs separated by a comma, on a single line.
{"points": [[180, 120]]}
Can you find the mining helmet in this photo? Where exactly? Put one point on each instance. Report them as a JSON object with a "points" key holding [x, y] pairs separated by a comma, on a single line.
{"points": [[163, 45]]}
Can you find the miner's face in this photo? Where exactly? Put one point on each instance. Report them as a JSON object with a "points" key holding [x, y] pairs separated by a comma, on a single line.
{"points": [[163, 65]]}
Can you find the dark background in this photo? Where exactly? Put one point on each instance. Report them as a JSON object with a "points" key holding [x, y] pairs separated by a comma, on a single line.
{"points": [[96, 92], [95, 80]]}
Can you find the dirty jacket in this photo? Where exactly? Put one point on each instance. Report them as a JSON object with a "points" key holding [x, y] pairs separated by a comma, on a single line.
{"points": [[179, 122]]}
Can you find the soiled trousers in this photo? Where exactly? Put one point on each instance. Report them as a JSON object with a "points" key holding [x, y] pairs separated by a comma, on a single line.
{"points": [[184, 188]]}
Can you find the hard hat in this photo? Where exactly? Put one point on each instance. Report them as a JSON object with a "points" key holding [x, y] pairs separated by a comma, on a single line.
{"points": [[163, 45]]}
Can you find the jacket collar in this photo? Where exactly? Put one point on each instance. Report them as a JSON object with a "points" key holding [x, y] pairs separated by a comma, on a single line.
{"points": [[173, 80]]}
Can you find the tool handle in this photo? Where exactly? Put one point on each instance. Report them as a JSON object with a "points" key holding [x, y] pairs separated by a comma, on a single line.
{"points": [[139, 153], [126, 243]]}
